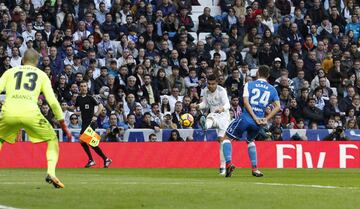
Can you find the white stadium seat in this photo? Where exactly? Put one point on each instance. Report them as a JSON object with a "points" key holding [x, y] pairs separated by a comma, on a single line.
{"points": [[194, 35], [202, 36]]}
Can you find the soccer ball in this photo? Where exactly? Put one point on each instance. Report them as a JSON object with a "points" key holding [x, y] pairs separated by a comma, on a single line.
{"points": [[186, 120]]}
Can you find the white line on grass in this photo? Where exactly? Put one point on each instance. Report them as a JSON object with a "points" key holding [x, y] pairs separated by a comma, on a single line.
{"points": [[7, 207], [305, 185]]}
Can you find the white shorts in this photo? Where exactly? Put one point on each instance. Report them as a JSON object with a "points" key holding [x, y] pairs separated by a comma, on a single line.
{"points": [[221, 121]]}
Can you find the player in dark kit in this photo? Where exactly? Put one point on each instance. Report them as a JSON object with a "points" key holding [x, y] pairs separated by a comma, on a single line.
{"points": [[87, 104]]}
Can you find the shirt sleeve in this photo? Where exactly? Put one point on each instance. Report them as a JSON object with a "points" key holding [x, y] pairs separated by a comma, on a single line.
{"points": [[3, 80], [246, 90], [225, 100], [50, 98], [275, 95], [95, 101], [203, 103]]}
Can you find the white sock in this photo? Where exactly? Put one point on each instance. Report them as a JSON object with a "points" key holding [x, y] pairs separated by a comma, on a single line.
{"points": [[222, 157]]}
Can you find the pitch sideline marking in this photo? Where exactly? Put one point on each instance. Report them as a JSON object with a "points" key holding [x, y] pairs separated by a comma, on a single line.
{"points": [[306, 185], [7, 207]]}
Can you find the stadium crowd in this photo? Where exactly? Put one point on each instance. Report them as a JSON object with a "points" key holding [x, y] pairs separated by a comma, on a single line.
{"points": [[145, 67]]}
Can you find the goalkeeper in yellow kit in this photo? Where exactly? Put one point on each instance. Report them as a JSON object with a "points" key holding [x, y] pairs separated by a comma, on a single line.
{"points": [[22, 85]]}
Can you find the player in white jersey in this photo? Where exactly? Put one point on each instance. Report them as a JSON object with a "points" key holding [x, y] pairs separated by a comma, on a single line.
{"points": [[215, 99]]}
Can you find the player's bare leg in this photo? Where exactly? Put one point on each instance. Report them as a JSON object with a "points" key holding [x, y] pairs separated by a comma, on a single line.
{"points": [[52, 156]]}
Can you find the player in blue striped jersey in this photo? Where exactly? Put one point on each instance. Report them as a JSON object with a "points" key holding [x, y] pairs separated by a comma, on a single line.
{"points": [[257, 96]]}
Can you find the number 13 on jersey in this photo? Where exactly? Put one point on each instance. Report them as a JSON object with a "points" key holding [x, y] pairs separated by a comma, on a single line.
{"points": [[30, 84]]}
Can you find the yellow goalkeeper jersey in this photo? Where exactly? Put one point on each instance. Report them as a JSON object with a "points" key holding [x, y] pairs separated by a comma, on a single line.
{"points": [[23, 85]]}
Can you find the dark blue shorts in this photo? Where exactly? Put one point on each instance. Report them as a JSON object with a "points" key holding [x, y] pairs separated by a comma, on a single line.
{"points": [[243, 124]]}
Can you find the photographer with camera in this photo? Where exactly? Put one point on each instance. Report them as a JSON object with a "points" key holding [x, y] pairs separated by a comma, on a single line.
{"points": [[338, 134], [114, 134]]}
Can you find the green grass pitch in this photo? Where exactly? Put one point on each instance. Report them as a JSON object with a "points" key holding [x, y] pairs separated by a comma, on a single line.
{"points": [[181, 188]]}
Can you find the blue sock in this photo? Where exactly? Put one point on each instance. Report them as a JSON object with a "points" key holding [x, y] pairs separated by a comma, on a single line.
{"points": [[227, 150], [252, 154]]}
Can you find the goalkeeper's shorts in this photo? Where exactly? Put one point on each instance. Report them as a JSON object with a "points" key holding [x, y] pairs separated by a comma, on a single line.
{"points": [[36, 126]]}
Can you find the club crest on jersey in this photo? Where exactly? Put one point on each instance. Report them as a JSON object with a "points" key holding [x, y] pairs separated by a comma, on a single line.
{"points": [[87, 106], [42, 122]]}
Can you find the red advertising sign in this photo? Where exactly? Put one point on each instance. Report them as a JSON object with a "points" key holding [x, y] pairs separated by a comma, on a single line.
{"points": [[189, 155]]}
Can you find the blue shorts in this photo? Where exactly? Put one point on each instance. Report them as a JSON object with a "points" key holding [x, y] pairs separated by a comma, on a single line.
{"points": [[243, 124]]}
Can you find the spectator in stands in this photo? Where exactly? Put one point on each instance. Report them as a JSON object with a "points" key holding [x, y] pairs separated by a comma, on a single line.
{"points": [[249, 37], [267, 56], [312, 113], [235, 107], [284, 27], [152, 137], [112, 120], [45, 110], [252, 57], [284, 80], [110, 103], [297, 82], [167, 8], [351, 124], [345, 102], [5, 65], [103, 119], [332, 107], [353, 26], [316, 81], [229, 20], [184, 19], [276, 134], [130, 121], [165, 106], [67, 114], [156, 115], [206, 21], [319, 98], [295, 110], [15, 57], [147, 123], [234, 84], [239, 7], [176, 81], [175, 136], [356, 104], [284, 97], [74, 122], [167, 122], [277, 123], [130, 104], [178, 111], [138, 115]]}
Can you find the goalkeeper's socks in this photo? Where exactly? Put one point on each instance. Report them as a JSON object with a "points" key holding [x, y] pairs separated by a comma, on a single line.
{"points": [[100, 153], [52, 155], [252, 154], [226, 144], [87, 150]]}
